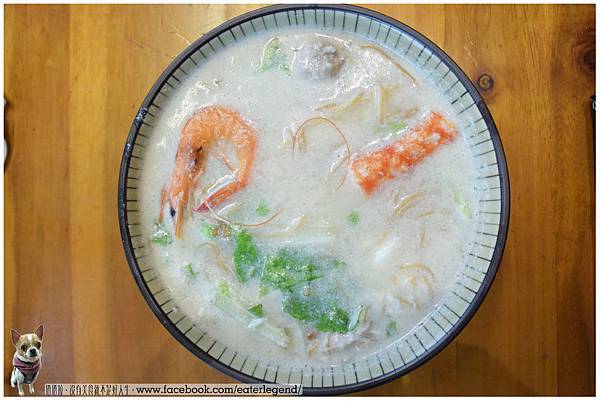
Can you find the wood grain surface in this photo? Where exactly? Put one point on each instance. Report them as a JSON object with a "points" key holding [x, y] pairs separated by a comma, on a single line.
{"points": [[74, 77]]}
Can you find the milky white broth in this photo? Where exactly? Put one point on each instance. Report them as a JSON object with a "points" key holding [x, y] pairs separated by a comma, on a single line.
{"points": [[435, 231]]}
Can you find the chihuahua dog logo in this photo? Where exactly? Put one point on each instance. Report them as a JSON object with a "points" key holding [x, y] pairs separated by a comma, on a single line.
{"points": [[27, 361]]}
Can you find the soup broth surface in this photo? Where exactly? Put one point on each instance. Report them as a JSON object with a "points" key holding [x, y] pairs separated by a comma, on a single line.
{"points": [[302, 265]]}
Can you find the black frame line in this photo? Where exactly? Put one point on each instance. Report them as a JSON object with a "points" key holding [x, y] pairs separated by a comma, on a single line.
{"points": [[126, 236]]}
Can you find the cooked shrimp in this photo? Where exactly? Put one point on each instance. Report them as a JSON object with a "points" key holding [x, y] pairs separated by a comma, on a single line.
{"points": [[372, 168], [200, 133]]}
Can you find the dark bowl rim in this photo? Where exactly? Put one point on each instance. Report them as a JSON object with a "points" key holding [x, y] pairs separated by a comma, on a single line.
{"points": [[502, 170]]}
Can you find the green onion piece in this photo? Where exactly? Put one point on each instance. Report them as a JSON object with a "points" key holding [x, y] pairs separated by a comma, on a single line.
{"points": [[188, 269], [391, 329], [262, 210], [257, 310], [246, 257], [353, 218]]}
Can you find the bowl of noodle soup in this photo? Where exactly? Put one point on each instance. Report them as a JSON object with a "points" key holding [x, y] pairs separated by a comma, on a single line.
{"points": [[316, 195]]}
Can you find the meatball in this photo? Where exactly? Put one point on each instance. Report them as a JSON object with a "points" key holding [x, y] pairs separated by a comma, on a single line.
{"points": [[320, 60]]}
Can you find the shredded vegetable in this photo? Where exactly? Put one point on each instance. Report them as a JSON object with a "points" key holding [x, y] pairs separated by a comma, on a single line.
{"points": [[390, 59], [410, 112], [294, 225], [338, 108], [217, 254], [300, 134], [420, 267], [238, 224], [405, 202], [383, 95]]}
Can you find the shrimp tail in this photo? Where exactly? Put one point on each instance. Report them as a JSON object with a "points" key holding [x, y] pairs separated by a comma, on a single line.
{"points": [[218, 197], [222, 194]]}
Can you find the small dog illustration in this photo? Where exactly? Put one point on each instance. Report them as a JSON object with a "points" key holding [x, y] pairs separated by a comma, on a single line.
{"points": [[27, 361]]}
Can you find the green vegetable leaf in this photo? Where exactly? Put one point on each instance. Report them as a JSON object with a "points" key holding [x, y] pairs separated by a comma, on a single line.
{"points": [[353, 218], [309, 294], [286, 270], [272, 56], [246, 257], [262, 210], [322, 312], [208, 230], [160, 235], [257, 310], [391, 127], [391, 329], [188, 269], [333, 321]]}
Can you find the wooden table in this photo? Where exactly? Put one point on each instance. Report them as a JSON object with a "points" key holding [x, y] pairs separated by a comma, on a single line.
{"points": [[74, 77]]}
